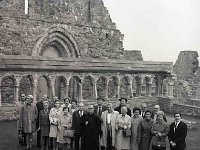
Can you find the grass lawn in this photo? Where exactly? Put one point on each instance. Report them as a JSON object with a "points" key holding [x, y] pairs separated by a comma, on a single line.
{"points": [[193, 135], [8, 135]]}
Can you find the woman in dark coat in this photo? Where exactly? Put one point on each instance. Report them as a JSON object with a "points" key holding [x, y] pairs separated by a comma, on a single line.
{"points": [[160, 131], [44, 125], [144, 131]]}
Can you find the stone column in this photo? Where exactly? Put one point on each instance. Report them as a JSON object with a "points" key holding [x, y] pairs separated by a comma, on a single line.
{"points": [[138, 90], [53, 89], [160, 87], [170, 89], [118, 90], [80, 92], [106, 91], [148, 89], [49, 94], [156, 90], [16, 92], [75, 87], [67, 90], [0, 93], [34, 91], [95, 90], [62, 91], [130, 90]]}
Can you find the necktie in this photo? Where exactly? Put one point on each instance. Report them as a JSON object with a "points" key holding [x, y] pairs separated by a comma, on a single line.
{"points": [[100, 110], [175, 126], [80, 113]]}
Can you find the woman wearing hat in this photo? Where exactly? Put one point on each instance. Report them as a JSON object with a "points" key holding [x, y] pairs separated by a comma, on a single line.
{"points": [[123, 102]]}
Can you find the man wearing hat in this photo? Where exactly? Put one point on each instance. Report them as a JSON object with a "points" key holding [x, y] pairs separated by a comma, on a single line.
{"points": [[154, 114], [123, 102], [100, 107]]}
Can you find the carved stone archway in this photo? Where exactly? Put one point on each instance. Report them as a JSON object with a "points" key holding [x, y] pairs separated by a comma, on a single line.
{"points": [[59, 39]]}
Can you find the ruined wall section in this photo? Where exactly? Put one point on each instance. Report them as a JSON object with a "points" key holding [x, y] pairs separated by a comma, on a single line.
{"points": [[186, 65], [187, 71], [88, 21]]}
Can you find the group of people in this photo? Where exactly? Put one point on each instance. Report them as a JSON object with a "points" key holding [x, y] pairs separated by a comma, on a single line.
{"points": [[99, 127]]}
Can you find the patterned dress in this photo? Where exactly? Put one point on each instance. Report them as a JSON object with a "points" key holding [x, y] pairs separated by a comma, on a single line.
{"points": [[44, 122], [54, 119]]}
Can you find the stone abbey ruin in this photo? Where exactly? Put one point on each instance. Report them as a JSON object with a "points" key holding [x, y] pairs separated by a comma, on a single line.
{"points": [[71, 48]]}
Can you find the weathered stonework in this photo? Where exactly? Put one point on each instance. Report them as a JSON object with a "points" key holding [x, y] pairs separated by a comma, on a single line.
{"points": [[186, 65], [95, 36], [71, 48]]}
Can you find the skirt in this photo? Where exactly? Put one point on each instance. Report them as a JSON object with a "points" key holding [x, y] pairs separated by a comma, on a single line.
{"points": [[53, 131]]}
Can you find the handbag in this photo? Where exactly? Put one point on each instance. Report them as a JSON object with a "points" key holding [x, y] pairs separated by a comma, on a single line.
{"points": [[126, 133], [158, 144], [68, 133]]}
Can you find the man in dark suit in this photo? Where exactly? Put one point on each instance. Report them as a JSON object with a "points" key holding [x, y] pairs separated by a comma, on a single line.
{"points": [[100, 107], [90, 130], [76, 123], [123, 102], [177, 133], [143, 109]]}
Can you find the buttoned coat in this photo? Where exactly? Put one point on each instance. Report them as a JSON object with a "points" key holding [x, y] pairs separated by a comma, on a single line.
{"points": [[121, 141], [113, 118], [28, 118]]}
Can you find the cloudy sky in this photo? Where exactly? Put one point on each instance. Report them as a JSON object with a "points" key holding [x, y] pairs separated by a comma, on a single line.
{"points": [[159, 28]]}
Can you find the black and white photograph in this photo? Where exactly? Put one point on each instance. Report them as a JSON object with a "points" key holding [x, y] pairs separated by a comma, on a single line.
{"points": [[99, 75]]}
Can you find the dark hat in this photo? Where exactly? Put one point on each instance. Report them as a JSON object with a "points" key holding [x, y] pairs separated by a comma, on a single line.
{"points": [[100, 98], [122, 99]]}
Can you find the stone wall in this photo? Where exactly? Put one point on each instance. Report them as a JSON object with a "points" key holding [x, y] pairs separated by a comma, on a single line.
{"points": [[193, 102], [187, 109], [88, 22], [133, 55], [186, 65]]}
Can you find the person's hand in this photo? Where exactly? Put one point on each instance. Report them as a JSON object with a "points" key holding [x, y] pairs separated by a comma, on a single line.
{"points": [[125, 127], [173, 144], [86, 123], [159, 134]]}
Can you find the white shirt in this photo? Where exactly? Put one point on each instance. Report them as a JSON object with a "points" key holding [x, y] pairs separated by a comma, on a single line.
{"points": [[81, 113], [108, 118], [176, 125]]}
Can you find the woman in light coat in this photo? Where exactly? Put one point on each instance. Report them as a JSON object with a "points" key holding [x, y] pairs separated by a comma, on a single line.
{"points": [[108, 128], [123, 122], [54, 115], [65, 123]]}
